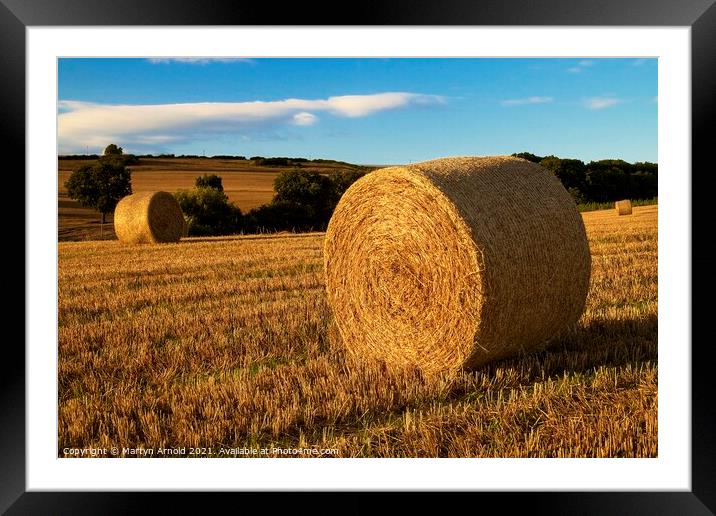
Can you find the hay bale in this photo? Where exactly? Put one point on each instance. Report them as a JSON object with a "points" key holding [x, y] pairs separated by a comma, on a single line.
{"points": [[455, 262], [623, 207], [148, 217]]}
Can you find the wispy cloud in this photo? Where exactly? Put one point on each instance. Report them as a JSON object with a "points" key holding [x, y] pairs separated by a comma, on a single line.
{"points": [[581, 65], [89, 124], [199, 60], [639, 62], [601, 102], [526, 101]]}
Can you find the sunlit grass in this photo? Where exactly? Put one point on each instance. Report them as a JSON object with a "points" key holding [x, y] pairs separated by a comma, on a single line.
{"points": [[229, 342]]}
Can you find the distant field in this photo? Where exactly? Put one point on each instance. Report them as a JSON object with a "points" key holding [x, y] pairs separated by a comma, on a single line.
{"points": [[593, 206], [228, 343], [246, 185]]}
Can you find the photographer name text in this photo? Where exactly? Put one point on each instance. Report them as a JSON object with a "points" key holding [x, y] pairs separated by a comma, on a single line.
{"points": [[188, 451]]}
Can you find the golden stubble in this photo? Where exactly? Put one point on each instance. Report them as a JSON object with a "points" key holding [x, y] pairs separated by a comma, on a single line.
{"points": [[229, 341]]}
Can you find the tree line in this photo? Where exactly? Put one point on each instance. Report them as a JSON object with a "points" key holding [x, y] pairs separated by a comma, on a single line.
{"points": [[304, 200], [257, 160], [601, 181]]}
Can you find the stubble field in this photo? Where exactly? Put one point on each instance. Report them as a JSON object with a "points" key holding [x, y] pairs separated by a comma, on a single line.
{"points": [[227, 343]]}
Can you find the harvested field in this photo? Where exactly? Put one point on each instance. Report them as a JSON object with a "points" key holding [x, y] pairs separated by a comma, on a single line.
{"points": [[228, 343]]}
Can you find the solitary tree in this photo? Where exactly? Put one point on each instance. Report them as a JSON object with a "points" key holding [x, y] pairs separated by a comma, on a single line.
{"points": [[209, 181], [112, 149], [100, 186], [116, 156]]}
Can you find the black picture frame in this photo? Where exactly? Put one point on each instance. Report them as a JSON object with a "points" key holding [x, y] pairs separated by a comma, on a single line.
{"points": [[700, 15]]}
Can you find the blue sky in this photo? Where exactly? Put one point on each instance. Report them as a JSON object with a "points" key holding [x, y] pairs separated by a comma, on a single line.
{"points": [[371, 111]]}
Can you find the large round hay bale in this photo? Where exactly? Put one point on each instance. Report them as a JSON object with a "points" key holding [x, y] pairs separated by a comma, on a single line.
{"points": [[623, 207], [148, 217], [453, 263]]}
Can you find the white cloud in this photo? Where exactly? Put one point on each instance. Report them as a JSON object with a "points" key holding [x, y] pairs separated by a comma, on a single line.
{"points": [[526, 101], [639, 62], [355, 106], [601, 102], [84, 124], [199, 60], [585, 62]]}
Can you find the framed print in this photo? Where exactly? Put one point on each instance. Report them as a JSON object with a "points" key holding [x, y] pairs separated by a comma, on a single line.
{"points": [[310, 312]]}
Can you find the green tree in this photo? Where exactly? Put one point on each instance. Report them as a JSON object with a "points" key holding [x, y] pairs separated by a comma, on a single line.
{"points": [[112, 149], [608, 184], [279, 215], [308, 189], [528, 156], [646, 167], [571, 172], [116, 156], [209, 181], [100, 186], [208, 212]]}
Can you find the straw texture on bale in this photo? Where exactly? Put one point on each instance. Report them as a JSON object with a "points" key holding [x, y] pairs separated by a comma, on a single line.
{"points": [[623, 207], [456, 262], [148, 217]]}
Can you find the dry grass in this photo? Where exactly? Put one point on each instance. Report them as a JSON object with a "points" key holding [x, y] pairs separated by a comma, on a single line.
{"points": [[229, 342]]}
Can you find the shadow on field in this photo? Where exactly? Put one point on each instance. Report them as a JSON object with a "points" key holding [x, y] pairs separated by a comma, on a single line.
{"points": [[600, 343], [200, 240], [242, 238]]}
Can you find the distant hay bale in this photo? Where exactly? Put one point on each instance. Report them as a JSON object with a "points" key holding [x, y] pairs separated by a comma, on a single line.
{"points": [[623, 207], [148, 217], [456, 262]]}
